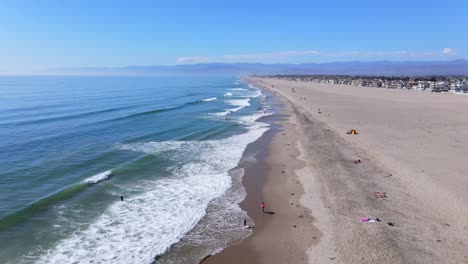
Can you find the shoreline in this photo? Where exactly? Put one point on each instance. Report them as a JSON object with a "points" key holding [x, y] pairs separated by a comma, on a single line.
{"points": [[222, 224], [285, 231]]}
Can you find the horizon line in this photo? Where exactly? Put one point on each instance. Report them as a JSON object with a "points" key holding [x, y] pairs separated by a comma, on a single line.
{"points": [[113, 71], [262, 63]]}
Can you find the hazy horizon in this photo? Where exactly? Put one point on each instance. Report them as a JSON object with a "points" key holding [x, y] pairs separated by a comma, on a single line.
{"points": [[382, 67]]}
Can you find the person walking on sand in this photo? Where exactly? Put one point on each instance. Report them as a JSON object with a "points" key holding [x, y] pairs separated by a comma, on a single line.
{"points": [[262, 205]]}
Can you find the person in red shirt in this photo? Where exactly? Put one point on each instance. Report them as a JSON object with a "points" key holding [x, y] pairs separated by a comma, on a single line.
{"points": [[262, 205]]}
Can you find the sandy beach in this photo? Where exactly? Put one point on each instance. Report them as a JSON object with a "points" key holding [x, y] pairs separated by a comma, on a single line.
{"points": [[278, 236], [407, 167]]}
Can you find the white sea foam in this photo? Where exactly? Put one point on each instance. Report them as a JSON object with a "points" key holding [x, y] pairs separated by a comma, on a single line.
{"points": [[248, 93], [152, 147], [240, 103], [249, 120], [146, 225], [98, 177], [237, 89], [209, 99], [255, 93], [228, 94], [249, 159], [224, 113]]}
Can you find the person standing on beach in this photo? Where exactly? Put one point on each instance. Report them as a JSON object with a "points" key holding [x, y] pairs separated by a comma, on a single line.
{"points": [[262, 205]]}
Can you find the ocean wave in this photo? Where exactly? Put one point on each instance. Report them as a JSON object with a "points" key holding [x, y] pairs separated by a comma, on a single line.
{"points": [[66, 117], [224, 113], [152, 147], [147, 224], [247, 93], [240, 103], [98, 112], [237, 89], [155, 111], [99, 177], [249, 120], [209, 99], [228, 111], [228, 94], [256, 93], [52, 199], [41, 205]]}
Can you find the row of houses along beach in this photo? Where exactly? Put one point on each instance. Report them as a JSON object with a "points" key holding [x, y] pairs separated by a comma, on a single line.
{"points": [[441, 84]]}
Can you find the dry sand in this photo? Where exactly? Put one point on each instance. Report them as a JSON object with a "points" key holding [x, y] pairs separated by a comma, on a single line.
{"points": [[413, 146]]}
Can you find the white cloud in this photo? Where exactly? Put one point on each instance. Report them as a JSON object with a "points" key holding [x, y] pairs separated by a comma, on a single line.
{"points": [[377, 54], [251, 56], [355, 54], [282, 55], [400, 52], [272, 55], [448, 52], [194, 59]]}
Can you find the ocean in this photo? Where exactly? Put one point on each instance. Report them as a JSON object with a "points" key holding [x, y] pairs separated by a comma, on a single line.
{"points": [[172, 147]]}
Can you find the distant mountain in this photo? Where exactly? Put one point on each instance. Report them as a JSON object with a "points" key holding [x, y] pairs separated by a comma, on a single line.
{"points": [[386, 68]]}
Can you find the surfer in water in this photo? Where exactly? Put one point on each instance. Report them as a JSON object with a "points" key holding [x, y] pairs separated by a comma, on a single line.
{"points": [[121, 198]]}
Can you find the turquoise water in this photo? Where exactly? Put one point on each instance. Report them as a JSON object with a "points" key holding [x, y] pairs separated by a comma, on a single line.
{"points": [[71, 146]]}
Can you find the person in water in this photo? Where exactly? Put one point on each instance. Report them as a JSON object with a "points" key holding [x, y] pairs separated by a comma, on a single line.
{"points": [[245, 222], [262, 205], [121, 198]]}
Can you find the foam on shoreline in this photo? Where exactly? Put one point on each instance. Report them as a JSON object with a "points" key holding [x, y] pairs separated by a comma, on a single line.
{"points": [[146, 225]]}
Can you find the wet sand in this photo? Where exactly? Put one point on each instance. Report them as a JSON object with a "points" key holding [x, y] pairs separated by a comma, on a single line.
{"points": [[284, 232], [412, 145]]}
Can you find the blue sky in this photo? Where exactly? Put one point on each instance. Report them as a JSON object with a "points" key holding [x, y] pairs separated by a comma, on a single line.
{"points": [[53, 34]]}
